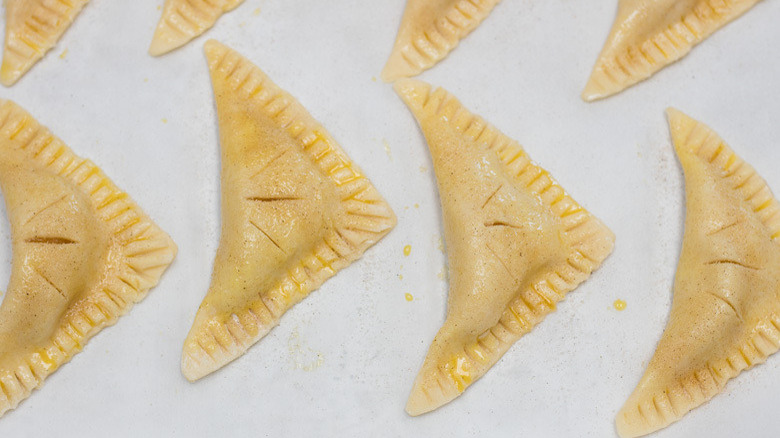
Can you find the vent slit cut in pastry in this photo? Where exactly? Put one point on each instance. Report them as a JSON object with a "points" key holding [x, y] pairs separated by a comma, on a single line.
{"points": [[183, 20], [32, 27], [725, 311], [516, 243], [648, 35], [429, 30], [295, 211], [83, 254]]}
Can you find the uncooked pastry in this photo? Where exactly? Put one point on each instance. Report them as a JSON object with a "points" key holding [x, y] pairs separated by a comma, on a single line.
{"points": [[295, 210], [32, 27], [725, 312], [183, 20], [648, 35], [516, 243], [83, 254], [429, 30]]}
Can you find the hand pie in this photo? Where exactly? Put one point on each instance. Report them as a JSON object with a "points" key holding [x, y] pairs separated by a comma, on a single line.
{"points": [[83, 254], [726, 307], [429, 30], [183, 20], [516, 243], [648, 35], [295, 211], [32, 27]]}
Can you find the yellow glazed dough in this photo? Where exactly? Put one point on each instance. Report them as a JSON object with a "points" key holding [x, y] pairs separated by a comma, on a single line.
{"points": [[429, 30], [83, 254], [516, 243], [648, 35], [724, 316], [32, 27], [295, 210], [183, 20]]}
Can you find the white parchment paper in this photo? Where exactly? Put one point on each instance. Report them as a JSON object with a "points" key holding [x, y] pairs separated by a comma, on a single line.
{"points": [[342, 362]]}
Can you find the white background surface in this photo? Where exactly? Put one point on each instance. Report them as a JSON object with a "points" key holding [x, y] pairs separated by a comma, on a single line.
{"points": [[342, 362]]}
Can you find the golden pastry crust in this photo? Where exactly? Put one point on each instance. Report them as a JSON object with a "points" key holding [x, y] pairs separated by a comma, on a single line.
{"points": [[83, 254], [429, 30], [295, 210], [516, 243], [725, 314], [183, 20], [32, 27], [648, 35]]}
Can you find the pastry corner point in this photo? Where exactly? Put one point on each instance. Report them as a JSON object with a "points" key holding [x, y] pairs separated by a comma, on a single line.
{"points": [[418, 404], [412, 91], [190, 369], [594, 91], [212, 44], [161, 45], [623, 427], [397, 68], [8, 75], [680, 127]]}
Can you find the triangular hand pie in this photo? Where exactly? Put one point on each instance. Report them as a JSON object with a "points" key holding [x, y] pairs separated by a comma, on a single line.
{"points": [[516, 243], [295, 210], [83, 254], [724, 316], [648, 35], [429, 30], [183, 20], [32, 27], [726, 309]]}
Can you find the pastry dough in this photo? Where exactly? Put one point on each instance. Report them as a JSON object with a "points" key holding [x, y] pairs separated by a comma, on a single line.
{"points": [[83, 254], [32, 27], [183, 20], [295, 210], [516, 243], [726, 308], [429, 30], [648, 35]]}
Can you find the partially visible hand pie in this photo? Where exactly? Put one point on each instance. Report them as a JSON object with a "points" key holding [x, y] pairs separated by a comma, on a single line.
{"points": [[183, 20], [429, 30], [295, 211], [725, 314], [32, 27], [648, 35], [516, 243], [83, 254]]}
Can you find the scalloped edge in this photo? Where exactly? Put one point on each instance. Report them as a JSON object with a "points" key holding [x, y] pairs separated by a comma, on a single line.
{"points": [[590, 240], [657, 411], [26, 43], [615, 74], [184, 20], [147, 251], [369, 218], [424, 48]]}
